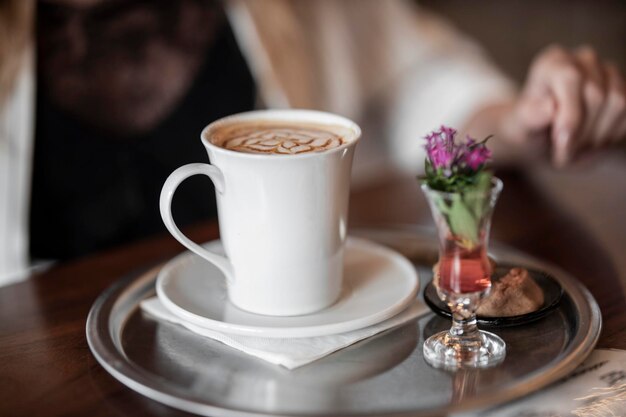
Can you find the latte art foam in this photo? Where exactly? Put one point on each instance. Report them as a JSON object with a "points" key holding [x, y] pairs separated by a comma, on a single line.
{"points": [[279, 139]]}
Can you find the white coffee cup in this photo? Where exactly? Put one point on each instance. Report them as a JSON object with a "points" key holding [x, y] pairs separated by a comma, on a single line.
{"points": [[282, 218]]}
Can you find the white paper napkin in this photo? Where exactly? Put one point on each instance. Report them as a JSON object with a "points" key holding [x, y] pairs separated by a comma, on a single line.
{"points": [[293, 352]]}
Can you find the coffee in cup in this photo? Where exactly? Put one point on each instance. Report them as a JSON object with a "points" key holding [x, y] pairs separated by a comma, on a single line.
{"points": [[280, 138]]}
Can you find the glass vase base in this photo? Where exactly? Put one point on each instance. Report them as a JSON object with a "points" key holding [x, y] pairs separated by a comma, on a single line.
{"points": [[483, 351]]}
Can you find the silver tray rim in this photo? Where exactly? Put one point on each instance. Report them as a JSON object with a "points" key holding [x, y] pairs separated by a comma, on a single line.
{"points": [[104, 344]]}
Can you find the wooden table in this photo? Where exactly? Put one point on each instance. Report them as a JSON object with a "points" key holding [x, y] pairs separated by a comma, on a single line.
{"points": [[46, 367]]}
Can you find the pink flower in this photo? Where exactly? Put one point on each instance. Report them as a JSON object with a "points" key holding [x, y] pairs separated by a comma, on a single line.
{"points": [[448, 156], [476, 156], [441, 148]]}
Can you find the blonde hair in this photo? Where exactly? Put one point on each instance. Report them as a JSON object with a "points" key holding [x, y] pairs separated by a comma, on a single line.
{"points": [[16, 27]]}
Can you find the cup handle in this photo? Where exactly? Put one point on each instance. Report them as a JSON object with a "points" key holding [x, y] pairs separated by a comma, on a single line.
{"points": [[167, 194]]}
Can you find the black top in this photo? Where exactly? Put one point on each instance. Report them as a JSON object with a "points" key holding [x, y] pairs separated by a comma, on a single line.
{"points": [[91, 192]]}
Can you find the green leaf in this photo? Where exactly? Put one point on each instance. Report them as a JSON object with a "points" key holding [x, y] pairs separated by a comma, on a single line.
{"points": [[441, 204], [462, 221], [478, 198], [429, 169]]}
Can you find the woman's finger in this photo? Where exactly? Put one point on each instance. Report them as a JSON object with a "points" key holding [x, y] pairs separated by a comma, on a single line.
{"points": [[594, 91], [612, 121], [564, 80]]}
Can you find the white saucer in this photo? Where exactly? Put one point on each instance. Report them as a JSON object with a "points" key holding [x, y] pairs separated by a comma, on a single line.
{"points": [[378, 284]]}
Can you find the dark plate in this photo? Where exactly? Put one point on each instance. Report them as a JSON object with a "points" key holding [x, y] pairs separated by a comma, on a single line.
{"points": [[552, 293]]}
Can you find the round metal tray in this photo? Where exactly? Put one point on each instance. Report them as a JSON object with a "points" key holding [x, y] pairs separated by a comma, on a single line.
{"points": [[385, 375]]}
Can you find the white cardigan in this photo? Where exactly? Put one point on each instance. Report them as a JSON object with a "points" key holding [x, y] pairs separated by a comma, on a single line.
{"points": [[396, 70]]}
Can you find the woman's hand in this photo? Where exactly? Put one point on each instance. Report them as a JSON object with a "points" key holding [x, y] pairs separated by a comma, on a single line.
{"points": [[573, 100]]}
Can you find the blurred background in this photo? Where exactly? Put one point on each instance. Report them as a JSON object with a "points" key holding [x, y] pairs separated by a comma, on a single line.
{"points": [[94, 93], [513, 31]]}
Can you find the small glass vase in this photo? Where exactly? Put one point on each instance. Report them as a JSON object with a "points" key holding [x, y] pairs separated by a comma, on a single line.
{"points": [[463, 277]]}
